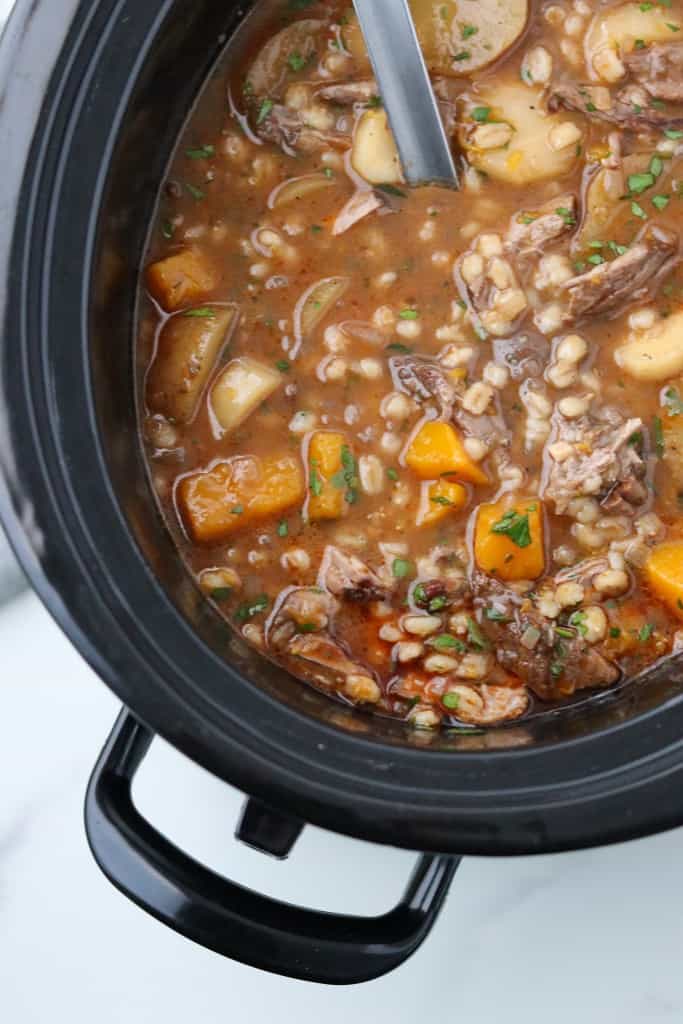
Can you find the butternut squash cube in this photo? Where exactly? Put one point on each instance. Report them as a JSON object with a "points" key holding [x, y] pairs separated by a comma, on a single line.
{"points": [[332, 476], [238, 492], [439, 499], [181, 279], [189, 346], [508, 540], [664, 575], [240, 388], [437, 449]]}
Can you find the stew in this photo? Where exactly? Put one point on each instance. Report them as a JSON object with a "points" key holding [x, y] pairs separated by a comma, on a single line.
{"points": [[424, 448]]}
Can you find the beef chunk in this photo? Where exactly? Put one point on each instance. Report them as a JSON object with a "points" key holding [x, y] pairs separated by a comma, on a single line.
{"points": [[327, 654], [489, 704], [659, 69], [594, 457], [346, 576], [631, 108], [528, 645], [424, 379], [348, 93], [287, 128], [531, 231], [299, 610], [610, 287]]}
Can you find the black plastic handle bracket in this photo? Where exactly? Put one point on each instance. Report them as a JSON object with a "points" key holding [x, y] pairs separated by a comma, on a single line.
{"points": [[230, 919]]}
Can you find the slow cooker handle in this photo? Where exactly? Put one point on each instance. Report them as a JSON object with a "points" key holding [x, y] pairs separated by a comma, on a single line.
{"points": [[230, 919]]}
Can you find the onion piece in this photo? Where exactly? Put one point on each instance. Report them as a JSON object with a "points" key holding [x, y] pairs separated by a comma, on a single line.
{"points": [[313, 306], [297, 188], [360, 205]]}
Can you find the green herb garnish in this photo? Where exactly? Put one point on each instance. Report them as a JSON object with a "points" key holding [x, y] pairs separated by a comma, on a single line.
{"points": [[514, 526], [264, 110], [283, 365], [221, 593], [251, 608], [401, 568], [283, 528], [201, 153], [446, 642], [658, 432], [475, 636], [450, 700], [201, 313]]}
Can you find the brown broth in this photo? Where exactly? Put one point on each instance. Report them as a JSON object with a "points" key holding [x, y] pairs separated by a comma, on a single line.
{"points": [[405, 294]]}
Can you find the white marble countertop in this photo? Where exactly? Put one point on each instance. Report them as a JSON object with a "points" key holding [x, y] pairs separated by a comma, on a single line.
{"points": [[593, 936]]}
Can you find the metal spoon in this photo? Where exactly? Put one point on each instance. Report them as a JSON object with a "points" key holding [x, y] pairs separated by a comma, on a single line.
{"points": [[406, 91]]}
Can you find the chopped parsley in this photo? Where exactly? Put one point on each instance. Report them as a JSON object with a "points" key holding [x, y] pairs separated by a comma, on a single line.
{"points": [[401, 568], [660, 202], [568, 634], [463, 55], [283, 365], [638, 183], [638, 211], [328, 172], [514, 526], [673, 133], [475, 636], [439, 499], [656, 166], [673, 402], [481, 114], [201, 153], [375, 102], [396, 346], [446, 642], [646, 632], [167, 230], [264, 110], [615, 632], [391, 190], [596, 259], [296, 61], [283, 528], [237, 510], [639, 44], [201, 313], [251, 608], [468, 30], [315, 483], [578, 620], [409, 314], [566, 215], [494, 615], [392, 474], [451, 700], [195, 192], [221, 593]]}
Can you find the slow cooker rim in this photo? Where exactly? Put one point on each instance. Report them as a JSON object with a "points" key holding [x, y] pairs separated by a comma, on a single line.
{"points": [[623, 803]]}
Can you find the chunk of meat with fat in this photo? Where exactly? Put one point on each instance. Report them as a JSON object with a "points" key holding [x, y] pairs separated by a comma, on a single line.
{"points": [[287, 128], [630, 108], [327, 654], [424, 379], [528, 645], [489, 704], [348, 93], [659, 69], [345, 575], [298, 610], [532, 231], [594, 457], [612, 286]]}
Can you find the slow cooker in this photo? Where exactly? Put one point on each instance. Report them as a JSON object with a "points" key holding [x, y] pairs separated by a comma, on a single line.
{"points": [[93, 95]]}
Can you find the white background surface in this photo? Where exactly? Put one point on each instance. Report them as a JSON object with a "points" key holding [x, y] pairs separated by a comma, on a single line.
{"points": [[594, 937]]}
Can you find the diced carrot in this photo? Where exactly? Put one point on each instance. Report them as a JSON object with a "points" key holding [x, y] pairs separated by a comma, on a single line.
{"points": [[181, 279], [236, 493], [437, 449], [664, 574], [438, 499], [329, 479], [508, 541]]}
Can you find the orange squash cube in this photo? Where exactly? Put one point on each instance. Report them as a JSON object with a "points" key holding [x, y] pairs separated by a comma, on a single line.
{"points": [[664, 575], [236, 493], [437, 449], [331, 470], [509, 541], [181, 279], [439, 499]]}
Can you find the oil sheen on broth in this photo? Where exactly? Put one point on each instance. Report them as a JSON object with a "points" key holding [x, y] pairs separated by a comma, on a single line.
{"points": [[424, 448]]}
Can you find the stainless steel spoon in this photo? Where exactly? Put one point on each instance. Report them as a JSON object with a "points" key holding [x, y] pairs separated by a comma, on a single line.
{"points": [[406, 91]]}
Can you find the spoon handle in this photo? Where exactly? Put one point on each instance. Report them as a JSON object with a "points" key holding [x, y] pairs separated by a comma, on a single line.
{"points": [[406, 91]]}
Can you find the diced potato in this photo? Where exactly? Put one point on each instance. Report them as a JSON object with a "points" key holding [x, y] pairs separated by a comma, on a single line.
{"points": [[517, 553], [655, 354], [181, 279], [664, 575], [528, 157], [437, 450], [617, 28], [314, 305], [461, 36], [239, 389], [374, 155], [439, 499], [189, 346], [457, 36], [236, 493], [270, 69], [298, 188], [328, 487]]}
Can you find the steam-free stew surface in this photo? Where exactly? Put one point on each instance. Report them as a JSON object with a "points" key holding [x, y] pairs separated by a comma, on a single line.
{"points": [[425, 448]]}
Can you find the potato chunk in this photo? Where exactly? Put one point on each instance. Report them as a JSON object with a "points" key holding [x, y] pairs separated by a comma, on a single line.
{"points": [[374, 155], [436, 450], [189, 345], [508, 540], [332, 483], [236, 493], [181, 279], [457, 36], [618, 28], [239, 389], [655, 354], [440, 499], [664, 574], [528, 156]]}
